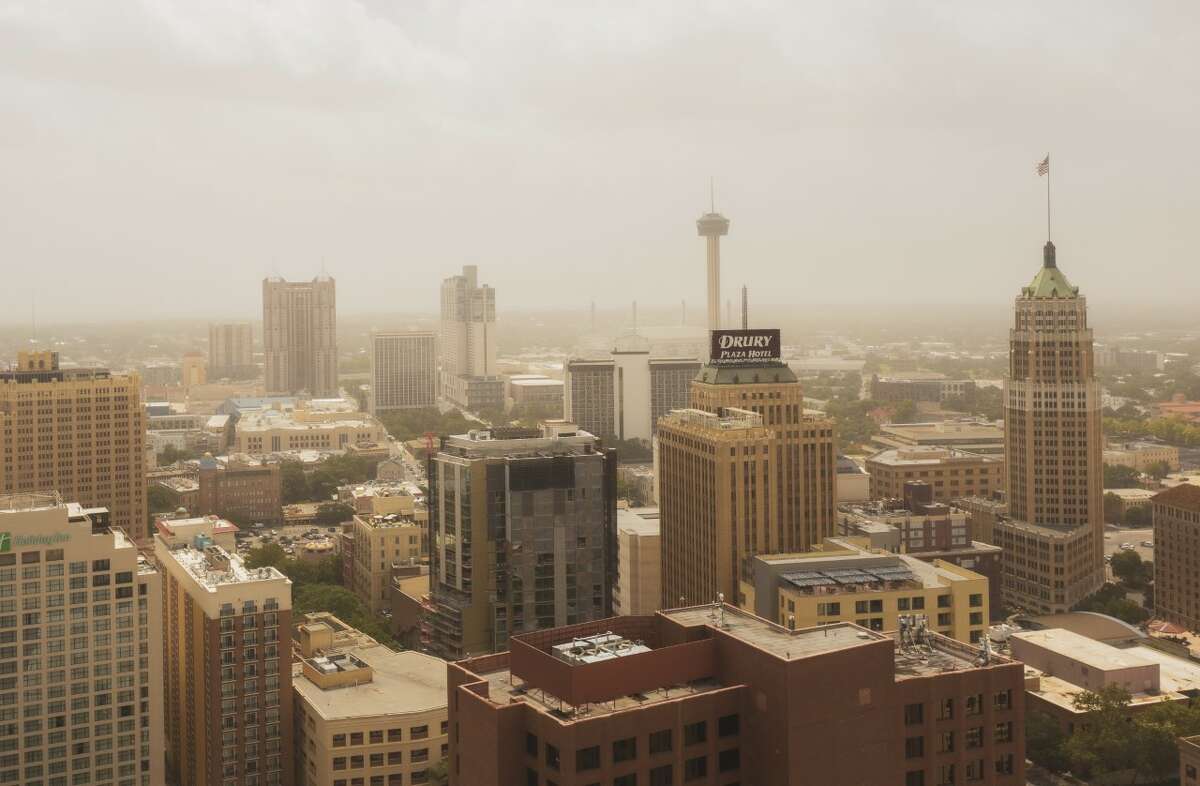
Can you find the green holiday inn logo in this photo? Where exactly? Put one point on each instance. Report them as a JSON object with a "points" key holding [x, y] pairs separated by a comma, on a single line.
{"points": [[8, 540]]}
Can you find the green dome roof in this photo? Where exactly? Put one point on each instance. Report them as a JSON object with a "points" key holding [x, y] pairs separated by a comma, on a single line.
{"points": [[1050, 281]]}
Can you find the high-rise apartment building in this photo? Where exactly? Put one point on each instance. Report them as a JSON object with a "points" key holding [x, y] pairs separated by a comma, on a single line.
{"points": [[745, 471], [1053, 532], [715, 695], [522, 535], [623, 396], [193, 369], [365, 714], [231, 351], [78, 432], [403, 370], [85, 696], [1177, 555], [468, 342], [227, 666], [300, 336]]}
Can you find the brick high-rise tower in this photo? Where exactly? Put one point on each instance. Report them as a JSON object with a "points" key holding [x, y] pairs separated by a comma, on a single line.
{"points": [[1053, 534]]}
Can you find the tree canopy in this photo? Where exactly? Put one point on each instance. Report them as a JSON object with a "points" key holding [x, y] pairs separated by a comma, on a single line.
{"points": [[1110, 599]]}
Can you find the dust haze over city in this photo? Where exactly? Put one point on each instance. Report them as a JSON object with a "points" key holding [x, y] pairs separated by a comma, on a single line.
{"points": [[473, 393]]}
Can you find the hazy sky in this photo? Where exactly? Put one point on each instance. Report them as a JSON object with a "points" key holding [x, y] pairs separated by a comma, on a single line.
{"points": [[161, 157]]}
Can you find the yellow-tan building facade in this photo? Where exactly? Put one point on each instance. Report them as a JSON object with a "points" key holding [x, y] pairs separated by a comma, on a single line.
{"points": [[844, 581], [365, 714], [950, 473], [78, 432], [381, 541]]}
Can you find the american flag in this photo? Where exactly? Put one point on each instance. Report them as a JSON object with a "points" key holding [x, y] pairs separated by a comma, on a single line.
{"points": [[1043, 167]]}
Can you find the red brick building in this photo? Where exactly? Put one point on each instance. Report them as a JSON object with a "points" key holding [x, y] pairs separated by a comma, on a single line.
{"points": [[721, 697], [246, 492]]}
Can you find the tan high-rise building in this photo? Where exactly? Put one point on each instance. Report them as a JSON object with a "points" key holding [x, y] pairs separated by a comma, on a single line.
{"points": [[1177, 555], [1053, 532], [403, 370], [78, 432], [231, 351], [744, 472], [300, 336], [227, 667], [193, 370], [84, 697]]}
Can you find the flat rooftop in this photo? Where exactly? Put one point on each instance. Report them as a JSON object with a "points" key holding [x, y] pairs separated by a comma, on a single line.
{"points": [[201, 568], [1091, 653], [402, 683], [928, 456], [776, 639], [958, 429]]}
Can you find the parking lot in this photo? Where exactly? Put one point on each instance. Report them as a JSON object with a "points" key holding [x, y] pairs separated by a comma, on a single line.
{"points": [[1115, 537], [289, 537]]}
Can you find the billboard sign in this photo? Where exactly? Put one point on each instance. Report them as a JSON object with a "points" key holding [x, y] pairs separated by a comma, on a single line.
{"points": [[743, 347]]}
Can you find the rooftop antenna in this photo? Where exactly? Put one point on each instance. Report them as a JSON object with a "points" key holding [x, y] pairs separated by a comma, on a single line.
{"points": [[745, 309]]}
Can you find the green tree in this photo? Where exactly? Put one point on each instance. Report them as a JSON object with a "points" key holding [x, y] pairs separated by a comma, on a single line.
{"points": [[1112, 508], [1138, 516], [905, 412], [333, 513], [268, 555], [1111, 600], [1044, 739], [1118, 476], [1127, 566], [171, 454], [1101, 743], [439, 773], [159, 499], [294, 482], [1158, 470]]}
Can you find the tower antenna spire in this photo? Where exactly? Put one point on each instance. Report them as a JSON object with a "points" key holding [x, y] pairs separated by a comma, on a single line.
{"points": [[1043, 169]]}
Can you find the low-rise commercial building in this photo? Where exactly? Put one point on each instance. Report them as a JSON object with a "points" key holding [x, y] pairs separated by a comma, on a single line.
{"points": [[973, 436], [1061, 663], [382, 543], [241, 488], [929, 386], [950, 473], [1142, 455], [639, 562], [305, 427], [713, 694], [844, 581], [536, 392], [365, 714], [1177, 555]]}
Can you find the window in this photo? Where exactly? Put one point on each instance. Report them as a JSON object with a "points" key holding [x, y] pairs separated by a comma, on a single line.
{"points": [[1004, 732], [945, 775], [914, 747], [946, 742], [694, 769], [531, 777], [918, 604], [914, 714], [943, 619], [339, 740], [1003, 700], [531, 744], [976, 618], [945, 709], [829, 609], [943, 601], [624, 750], [587, 758], [1004, 764], [901, 604], [660, 741], [551, 756], [625, 780], [728, 725], [975, 704], [695, 733], [975, 737], [976, 601], [860, 607], [662, 776], [914, 778], [877, 607], [729, 760], [974, 770]]}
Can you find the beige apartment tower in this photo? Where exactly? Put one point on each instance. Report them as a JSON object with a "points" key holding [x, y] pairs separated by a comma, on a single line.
{"points": [[300, 336], [743, 472], [227, 667], [403, 370], [1053, 533], [90, 698], [78, 432], [231, 351]]}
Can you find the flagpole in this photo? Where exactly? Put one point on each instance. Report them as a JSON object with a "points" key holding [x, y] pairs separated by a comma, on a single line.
{"points": [[1048, 238]]}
